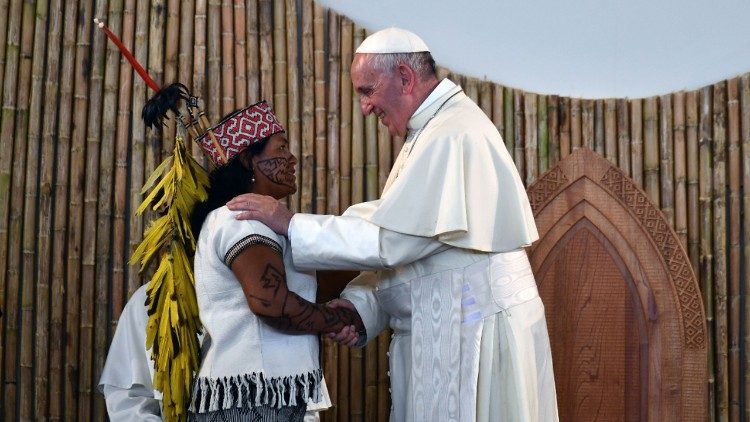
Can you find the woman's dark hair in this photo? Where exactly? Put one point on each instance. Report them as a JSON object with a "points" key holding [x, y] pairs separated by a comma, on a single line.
{"points": [[225, 183]]}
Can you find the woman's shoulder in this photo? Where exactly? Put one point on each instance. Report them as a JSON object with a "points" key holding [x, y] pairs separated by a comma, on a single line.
{"points": [[223, 220]]}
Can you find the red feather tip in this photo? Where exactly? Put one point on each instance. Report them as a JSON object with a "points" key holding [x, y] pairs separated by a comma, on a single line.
{"points": [[128, 55]]}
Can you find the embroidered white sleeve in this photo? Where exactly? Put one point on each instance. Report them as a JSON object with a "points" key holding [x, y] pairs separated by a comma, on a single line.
{"points": [[247, 241]]}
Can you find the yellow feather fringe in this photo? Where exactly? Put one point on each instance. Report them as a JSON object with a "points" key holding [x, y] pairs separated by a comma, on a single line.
{"points": [[174, 188]]}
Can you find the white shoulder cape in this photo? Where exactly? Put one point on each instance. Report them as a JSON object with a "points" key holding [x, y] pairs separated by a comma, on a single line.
{"points": [[458, 183]]}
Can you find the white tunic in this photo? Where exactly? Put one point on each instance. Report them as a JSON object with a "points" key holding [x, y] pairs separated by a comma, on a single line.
{"points": [[470, 340], [249, 361]]}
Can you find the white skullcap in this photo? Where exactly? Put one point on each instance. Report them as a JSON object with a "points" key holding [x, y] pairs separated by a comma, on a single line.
{"points": [[392, 40]]}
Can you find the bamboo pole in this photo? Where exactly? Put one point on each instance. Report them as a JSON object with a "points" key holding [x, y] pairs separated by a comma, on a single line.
{"points": [[155, 136], [358, 148], [651, 149], [306, 153], [385, 160], [88, 295], [345, 155], [171, 41], [371, 382], [138, 136], [199, 64], [720, 249], [610, 130], [253, 58], [30, 391], [623, 136], [122, 137], [565, 113], [240, 53], [734, 302], [553, 130], [102, 247], [497, 116], [185, 62], [265, 47], [293, 86], [705, 145], [8, 279], [77, 406], [745, 135], [575, 124], [599, 132], [543, 136], [508, 120], [691, 136], [58, 335], [531, 138], [334, 110], [187, 38], [485, 98], [666, 159], [317, 164], [215, 106], [518, 133], [636, 142], [471, 89], [680, 170], [371, 158], [4, 12], [588, 139], [44, 322], [279, 61]]}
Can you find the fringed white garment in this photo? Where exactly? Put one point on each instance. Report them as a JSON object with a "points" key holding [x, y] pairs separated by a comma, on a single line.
{"points": [[248, 363]]}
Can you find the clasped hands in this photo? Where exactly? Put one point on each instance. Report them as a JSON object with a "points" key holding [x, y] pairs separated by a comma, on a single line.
{"points": [[348, 336]]}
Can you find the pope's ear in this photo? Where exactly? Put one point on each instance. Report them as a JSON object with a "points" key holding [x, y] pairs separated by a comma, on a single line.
{"points": [[407, 76]]}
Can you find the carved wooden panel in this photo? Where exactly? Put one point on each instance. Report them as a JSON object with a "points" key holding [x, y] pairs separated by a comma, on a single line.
{"points": [[625, 315]]}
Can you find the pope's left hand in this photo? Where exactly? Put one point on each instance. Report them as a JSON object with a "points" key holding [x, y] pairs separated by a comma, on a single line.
{"points": [[265, 209]]}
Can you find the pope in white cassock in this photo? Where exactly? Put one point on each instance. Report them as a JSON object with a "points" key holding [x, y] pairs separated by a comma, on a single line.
{"points": [[446, 241]]}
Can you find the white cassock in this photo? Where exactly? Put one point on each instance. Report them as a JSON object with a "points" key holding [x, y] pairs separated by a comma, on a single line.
{"points": [[470, 340], [126, 380]]}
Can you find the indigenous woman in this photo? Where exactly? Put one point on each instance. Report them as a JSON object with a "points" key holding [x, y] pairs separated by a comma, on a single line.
{"points": [[257, 309]]}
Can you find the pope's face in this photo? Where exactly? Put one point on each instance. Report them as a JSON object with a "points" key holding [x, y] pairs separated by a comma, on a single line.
{"points": [[380, 93]]}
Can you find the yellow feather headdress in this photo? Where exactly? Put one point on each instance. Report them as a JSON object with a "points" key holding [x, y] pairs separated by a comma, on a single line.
{"points": [[172, 190]]}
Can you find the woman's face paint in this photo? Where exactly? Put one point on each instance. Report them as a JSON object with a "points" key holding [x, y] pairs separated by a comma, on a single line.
{"points": [[274, 169]]}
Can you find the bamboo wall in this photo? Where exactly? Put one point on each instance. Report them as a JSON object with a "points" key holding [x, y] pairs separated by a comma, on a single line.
{"points": [[74, 153]]}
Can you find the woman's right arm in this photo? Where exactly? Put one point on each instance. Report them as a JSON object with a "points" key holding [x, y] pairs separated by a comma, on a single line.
{"points": [[260, 270]]}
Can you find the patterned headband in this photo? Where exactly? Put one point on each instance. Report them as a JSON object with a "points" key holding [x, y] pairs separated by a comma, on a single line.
{"points": [[238, 131]]}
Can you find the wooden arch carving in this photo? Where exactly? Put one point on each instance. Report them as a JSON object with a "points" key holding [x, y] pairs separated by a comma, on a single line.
{"points": [[624, 311]]}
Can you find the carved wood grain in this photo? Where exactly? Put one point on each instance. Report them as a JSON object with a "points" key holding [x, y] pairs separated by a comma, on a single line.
{"points": [[622, 303]]}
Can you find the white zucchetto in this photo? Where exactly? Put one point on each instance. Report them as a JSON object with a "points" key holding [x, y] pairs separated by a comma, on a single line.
{"points": [[392, 40]]}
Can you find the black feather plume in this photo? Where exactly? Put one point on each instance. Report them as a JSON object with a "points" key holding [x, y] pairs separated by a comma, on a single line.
{"points": [[168, 98]]}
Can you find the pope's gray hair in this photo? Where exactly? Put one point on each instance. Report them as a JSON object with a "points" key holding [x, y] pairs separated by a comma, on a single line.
{"points": [[422, 63]]}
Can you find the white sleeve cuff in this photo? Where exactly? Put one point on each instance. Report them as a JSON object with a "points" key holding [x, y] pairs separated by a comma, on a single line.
{"points": [[361, 293]]}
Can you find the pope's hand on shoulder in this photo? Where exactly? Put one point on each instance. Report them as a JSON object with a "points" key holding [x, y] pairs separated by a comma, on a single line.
{"points": [[265, 209]]}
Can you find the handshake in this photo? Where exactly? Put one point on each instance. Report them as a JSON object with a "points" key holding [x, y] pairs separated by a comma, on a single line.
{"points": [[350, 334]]}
